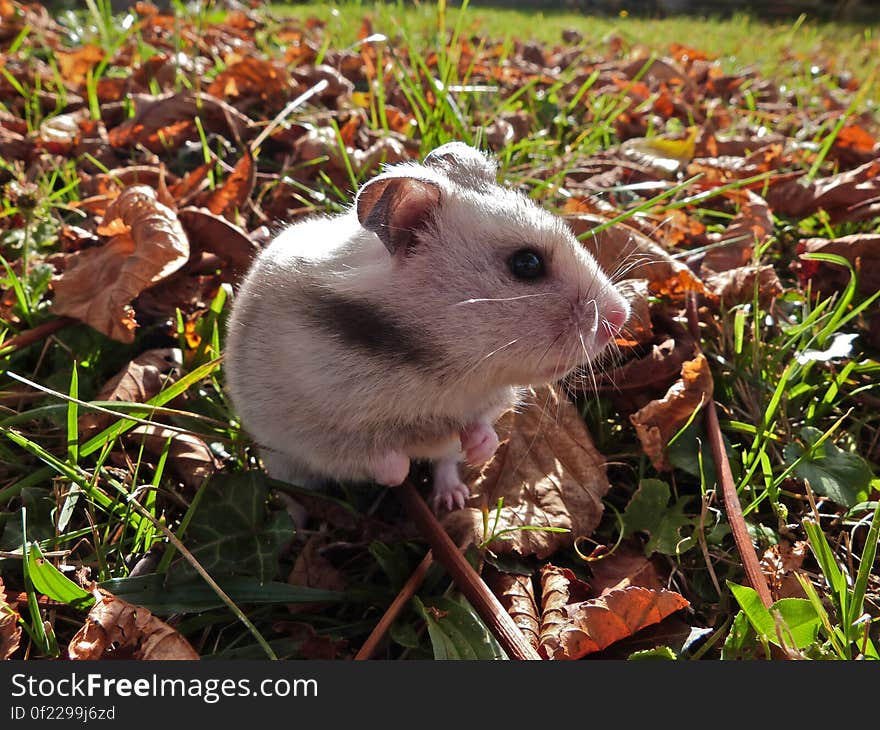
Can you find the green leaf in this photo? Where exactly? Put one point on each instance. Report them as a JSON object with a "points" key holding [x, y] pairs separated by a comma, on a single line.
{"points": [[841, 476], [231, 532], [154, 593], [50, 581], [457, 632], [758, 615], [658, 652], [800, 618], [648, 511], [741, 641]]}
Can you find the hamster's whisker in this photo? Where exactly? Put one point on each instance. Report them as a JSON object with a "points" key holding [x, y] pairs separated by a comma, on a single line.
{"points": [[508, 299], [496, 351]]}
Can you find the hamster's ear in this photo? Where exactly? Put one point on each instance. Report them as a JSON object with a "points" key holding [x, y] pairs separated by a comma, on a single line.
{"points": [[394, 207], [463, 164]]}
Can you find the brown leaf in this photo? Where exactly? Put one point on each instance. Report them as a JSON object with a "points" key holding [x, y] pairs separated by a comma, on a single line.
{"points": [[209, 232], [737, 286], [862, 250], [251, 76], [236, 189], [593, 625], [750, 227], [661, 419], [620, 246], [10, 629], [622, 569], [834, 194], [638, 327], [781, 564], [517, 594], [311, 645], [166, 121], [188, 455], [116, 629], [313, 570], [75, 64], [140, 380], [548, 473], [98, 284]]}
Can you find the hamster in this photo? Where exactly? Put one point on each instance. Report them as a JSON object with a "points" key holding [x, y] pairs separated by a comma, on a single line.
{"points": [[404, 327]]}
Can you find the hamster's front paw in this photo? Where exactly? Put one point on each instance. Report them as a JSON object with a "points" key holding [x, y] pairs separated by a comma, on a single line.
{"points": [[448, 492], [479, 442], [390, 469]]}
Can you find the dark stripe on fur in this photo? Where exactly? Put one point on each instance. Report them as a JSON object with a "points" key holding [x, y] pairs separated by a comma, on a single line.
{"points": [[364, 325]]}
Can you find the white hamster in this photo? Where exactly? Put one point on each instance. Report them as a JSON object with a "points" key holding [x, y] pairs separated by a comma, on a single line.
{"points": [[404, 327]]}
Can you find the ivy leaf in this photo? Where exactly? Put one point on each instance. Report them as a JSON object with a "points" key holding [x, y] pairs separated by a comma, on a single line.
{"points": [[231, 532], [840, 475], [649, 511], [457, 632]]}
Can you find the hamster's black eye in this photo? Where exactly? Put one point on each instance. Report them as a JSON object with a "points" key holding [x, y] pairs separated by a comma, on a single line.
{"points": [[526, 264]]}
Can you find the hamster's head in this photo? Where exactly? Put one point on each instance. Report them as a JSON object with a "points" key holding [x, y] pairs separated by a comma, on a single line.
{"points": [[499, 286]]}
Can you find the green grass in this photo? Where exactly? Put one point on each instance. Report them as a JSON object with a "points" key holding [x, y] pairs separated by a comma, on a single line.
{"points": [[112, 499]]}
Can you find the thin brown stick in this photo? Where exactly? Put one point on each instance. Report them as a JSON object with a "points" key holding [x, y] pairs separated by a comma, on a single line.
{"points": [[36, 334], [408, 591], [754, 575], [469, 583]]}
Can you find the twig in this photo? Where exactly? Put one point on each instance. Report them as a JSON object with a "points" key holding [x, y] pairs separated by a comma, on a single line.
{"points": [[469, 583], [36, 334], [732, 506], [407, 592]]}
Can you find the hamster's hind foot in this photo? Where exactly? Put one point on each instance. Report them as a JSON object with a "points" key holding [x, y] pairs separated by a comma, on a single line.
{"points": [[449, 491], [479, 442], [390, 469]]}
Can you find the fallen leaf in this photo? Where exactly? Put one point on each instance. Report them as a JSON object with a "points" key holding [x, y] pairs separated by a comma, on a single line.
{"points": [[665, 156], [311, 644], [166, 121], [658, 421], [76, 63], [862, 250], [621, 248], [638, 329], [737, 286], [781, 564], [517, 594], [623, 568], [147, 244], [834, 194], [236, 190], [188, 455], [751, 227], [140, 380], [313, 570], [578, 629], [115, 629], [548, 473], [251, 76], [209, 232], [10, 629]]}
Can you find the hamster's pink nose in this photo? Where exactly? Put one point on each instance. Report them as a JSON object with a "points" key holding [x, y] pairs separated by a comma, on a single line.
{"points": [[612, 322]]}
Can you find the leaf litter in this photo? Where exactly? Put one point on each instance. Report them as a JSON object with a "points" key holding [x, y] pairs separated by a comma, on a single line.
{"points": [[178, 189]]}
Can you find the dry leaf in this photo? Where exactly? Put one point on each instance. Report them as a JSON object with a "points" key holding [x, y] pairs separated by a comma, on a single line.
{"points": [[189, 456], [251, 76], [140, 380], [737, 286], [834, 194], [10, 629], [621, 247], [517, 594], [311, 646], [236, 189], [862, 250], [622, 569], [781, 564], [313, 570], [660, 420], [548, 473], [115, 629], [98, 284], [592, 625], [75, 64], [209, 232], [750, 227]]}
